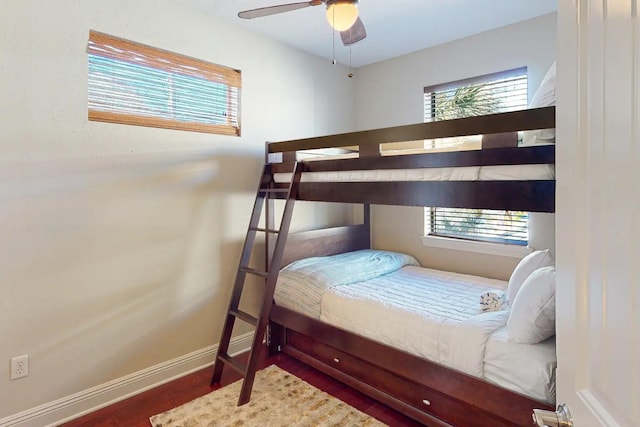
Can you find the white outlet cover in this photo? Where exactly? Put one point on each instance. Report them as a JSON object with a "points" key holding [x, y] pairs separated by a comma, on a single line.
{"points": [[19, 366]]}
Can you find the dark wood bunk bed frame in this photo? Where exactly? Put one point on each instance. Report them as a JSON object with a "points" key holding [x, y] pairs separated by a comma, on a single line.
{"points": [[426, 391]]}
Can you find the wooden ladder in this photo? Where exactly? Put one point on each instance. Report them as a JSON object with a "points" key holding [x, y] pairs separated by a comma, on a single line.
{"points": [[266, 191]]}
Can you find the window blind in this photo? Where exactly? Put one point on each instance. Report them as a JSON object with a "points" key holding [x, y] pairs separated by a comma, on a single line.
{"points": [[481, 224], [132, 83], [492, 93]]}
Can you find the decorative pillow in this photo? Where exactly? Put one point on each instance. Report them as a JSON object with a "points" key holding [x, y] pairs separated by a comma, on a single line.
{"points": [[533, 313], [525, 267], [545, 96]]}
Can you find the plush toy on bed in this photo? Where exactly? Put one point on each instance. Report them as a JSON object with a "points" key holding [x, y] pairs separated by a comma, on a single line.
{"points": [[493, 300]]}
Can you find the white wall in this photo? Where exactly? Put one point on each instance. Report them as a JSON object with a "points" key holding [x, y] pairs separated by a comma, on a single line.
{"points": [[390, 93], [119, 243]]}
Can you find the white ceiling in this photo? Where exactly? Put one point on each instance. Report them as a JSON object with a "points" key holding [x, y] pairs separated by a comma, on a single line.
{"points": [[394, 27]]}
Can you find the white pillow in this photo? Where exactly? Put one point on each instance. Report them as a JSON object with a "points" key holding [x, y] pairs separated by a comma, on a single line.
{"points": [[525, 267], [533, 313], [545, 96]]}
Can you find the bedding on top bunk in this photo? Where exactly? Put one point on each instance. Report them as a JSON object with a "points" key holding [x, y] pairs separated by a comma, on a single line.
{"points": [[466, 173], [433, 314]]}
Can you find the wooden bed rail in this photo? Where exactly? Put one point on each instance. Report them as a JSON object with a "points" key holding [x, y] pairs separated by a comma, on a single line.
{"points": [[543, 154], [531, 195], [535, 118]]}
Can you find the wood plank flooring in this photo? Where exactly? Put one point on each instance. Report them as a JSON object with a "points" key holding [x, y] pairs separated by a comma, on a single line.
{"points": [[135, 411]]}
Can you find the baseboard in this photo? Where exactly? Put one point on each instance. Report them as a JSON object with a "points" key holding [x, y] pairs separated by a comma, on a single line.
{"points": [[92, 399]]}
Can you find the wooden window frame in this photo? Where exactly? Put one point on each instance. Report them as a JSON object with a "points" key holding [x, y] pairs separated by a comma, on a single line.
{"points": [[107, 46]]}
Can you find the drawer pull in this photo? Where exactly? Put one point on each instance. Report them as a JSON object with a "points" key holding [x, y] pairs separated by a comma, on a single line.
{"points": [[335, 359], [426, 402]]}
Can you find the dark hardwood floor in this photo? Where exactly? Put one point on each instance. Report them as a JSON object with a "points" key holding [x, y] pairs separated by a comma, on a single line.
{"points": [[135, 411]]}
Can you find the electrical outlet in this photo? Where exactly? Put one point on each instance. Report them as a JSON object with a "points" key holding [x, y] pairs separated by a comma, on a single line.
{"points": [[19, 366]]}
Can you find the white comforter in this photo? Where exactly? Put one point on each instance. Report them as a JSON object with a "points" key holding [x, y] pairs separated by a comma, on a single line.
{"points": [[429, 313]]}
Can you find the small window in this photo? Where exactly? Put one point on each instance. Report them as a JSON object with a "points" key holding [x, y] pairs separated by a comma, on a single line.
{"points": [[486, 225], [135, 84], [493, 93]]}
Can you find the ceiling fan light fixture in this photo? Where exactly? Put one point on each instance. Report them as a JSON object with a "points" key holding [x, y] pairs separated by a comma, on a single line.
{"points": [[342, 14]]}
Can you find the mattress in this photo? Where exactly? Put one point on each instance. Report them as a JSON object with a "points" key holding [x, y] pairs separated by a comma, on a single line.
{"points": [[432, 314], [467, 173]]}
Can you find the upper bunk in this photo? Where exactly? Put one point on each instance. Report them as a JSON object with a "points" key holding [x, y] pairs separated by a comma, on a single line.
{"points": [[519, 178]]}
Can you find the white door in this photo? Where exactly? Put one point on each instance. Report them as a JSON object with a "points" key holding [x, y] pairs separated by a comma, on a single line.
{"points": [[598, 211]]}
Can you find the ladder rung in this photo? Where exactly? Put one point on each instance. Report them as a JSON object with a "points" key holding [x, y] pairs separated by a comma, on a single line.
{"points": [[237, 366], [244, 316], [254, 271], [264, 230], [273, 190]]}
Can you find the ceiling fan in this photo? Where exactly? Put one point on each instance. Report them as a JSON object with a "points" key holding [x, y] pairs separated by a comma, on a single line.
{"points": [[341, 14]]}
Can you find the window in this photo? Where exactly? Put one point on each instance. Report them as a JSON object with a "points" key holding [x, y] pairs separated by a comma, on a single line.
{"points": [[131, 83], [494, 93], [480, 224]]}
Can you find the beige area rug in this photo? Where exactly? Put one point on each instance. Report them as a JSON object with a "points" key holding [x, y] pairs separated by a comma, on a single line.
{"points": [[278, 399]]}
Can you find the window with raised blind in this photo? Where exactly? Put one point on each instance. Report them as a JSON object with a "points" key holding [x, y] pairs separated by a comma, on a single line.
{"points": [[493, 93], [131, 83]]}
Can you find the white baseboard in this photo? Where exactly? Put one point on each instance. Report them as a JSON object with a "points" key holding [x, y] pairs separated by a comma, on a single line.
{"points": [[92, 399]]}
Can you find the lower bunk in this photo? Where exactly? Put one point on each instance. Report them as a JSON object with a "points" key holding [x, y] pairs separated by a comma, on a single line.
{"points": [[433, 378]]}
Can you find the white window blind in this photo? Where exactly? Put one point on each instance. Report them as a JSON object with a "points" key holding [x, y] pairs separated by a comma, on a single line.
{"points": [[494, 93], [136, 84]]}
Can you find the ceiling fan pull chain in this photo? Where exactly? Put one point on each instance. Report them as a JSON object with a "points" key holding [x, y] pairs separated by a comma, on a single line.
{"points": [[350, 67], [333, 41]]}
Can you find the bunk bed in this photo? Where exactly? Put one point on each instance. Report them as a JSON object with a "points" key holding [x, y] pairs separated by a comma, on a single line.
{"points": [[511, 178]]}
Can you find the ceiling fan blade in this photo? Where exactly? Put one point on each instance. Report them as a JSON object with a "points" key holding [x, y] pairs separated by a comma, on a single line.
{"points": [[272, 10], [354, 34]]}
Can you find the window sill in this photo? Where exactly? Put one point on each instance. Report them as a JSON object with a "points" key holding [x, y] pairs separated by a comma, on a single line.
{"points": [[512, 251]]}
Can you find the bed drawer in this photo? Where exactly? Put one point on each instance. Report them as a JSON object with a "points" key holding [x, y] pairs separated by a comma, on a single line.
{"points": [[418, 396]]}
